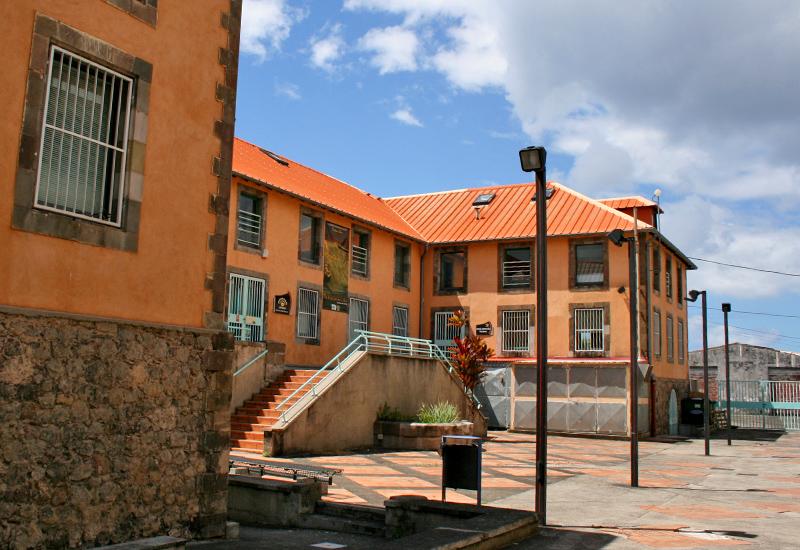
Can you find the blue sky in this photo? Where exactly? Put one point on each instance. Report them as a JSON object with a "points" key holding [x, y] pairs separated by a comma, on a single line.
{"points": [[699, 100]]}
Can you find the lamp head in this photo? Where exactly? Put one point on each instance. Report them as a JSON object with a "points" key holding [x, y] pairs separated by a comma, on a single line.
{"points": [[533, 159], [617, 237], [693, 294], [726, 308]]}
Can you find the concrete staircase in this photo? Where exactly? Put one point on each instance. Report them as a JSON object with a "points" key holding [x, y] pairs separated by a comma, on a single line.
{"points": [[258, 413]]}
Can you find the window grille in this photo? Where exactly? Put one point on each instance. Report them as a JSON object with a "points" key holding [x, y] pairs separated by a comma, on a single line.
{"points": [[246, 308], [670, 340], [668, 277], [84, 139], [589, 264], [359, 316], [657, 334], [400, 321], [589, 329], [516, 331], [250, 221], [517, 267], [307, 314], [443, 332], [360, 260], [681, 344]]}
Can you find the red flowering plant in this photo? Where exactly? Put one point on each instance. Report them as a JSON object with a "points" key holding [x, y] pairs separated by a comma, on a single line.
{"points": [[470, 353]]}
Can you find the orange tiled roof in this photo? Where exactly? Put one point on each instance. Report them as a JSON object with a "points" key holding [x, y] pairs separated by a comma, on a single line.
{"points": [[449, 217], [252, 162], [629, 202]]}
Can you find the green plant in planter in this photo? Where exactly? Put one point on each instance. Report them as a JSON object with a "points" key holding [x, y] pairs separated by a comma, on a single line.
{"points": [[389, 414], [442, 412]]}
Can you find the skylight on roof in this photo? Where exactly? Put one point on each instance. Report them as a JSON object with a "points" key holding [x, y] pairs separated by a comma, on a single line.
{"points": [[276, 158], [483, 199], [548, 194]]}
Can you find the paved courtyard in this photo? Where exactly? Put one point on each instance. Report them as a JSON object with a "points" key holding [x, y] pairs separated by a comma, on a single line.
{"points": [[744, 495]]}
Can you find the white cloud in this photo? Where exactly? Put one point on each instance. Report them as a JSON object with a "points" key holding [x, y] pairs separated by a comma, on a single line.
{"points": [[699, 99], [405, 116], [288, 90], [265, 25], [393, 49], [326, 50]]}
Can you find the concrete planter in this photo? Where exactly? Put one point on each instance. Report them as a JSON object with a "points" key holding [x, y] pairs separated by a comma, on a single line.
{"points": [[415, 435]]}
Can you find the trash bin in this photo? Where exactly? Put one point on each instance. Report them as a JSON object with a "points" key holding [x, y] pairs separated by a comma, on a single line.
{"points": [[692, 411], [461, 463]]}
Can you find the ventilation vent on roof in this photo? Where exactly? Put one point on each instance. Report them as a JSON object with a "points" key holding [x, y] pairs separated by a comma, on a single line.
{"points": [[483, 199], [548, 194], [276, 158]]}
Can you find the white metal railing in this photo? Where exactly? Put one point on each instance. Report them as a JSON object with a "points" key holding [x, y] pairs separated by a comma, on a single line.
{"points": [[365, 342], [250, 362], [764, 404], [360, 261], [516, 273], [249, 228]]}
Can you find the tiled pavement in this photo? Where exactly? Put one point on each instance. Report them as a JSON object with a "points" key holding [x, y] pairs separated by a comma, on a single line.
{"points": [[745, 495]]}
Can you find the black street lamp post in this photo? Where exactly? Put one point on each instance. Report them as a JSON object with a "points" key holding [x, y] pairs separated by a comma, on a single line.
{"points": [[726, 308], [706, 428], [618, 237], [533, 159]]}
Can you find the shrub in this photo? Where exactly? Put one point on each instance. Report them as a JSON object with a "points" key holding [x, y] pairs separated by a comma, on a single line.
{"points": [[392, 415], [469, 354], [439, 413]]}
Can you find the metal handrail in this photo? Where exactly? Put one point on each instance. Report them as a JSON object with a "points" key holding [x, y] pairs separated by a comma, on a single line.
{"points": [[250, 362], [373, 342]]}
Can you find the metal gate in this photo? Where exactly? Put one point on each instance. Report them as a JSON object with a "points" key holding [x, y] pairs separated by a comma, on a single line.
{"points": [[763, 404], [359, 317], [246, 307]]}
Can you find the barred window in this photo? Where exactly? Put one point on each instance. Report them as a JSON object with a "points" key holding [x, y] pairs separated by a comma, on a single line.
{"points": [[307, 314], [589, 329], [681, 342], [250, 224], [360, 263], [358, 316], [668, 277], [84, 139], [516, 331], [443, 332], [589, 264], [246, 307], [516, 267], [400, 321]]}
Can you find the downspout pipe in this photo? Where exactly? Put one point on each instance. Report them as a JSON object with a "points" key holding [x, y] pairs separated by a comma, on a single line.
{"points": [[422, 289]]}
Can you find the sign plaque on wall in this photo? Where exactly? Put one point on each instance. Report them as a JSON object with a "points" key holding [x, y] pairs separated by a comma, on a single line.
{"points": [[484, 329], [282, 303]]}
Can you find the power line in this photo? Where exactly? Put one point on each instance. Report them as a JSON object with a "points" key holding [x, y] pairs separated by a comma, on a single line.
{"points": [[746, 267], [773, 334], [754, 312]]}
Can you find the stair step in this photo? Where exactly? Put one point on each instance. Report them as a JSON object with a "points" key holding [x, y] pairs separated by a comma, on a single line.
{"points": [[246, 427], [249, 436], [256, 419], [342, 525], [248, 445], [351, 511]]}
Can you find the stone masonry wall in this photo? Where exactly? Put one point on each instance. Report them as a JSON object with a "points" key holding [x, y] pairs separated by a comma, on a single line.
{"points": [[663, 388], [110, 431]]}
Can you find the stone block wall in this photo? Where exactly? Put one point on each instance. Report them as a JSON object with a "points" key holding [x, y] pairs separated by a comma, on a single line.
{"points": [[110, 430], [663, 388]]}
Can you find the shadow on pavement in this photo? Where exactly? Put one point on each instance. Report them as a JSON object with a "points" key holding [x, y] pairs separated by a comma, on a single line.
{"points": [[551, 538]]}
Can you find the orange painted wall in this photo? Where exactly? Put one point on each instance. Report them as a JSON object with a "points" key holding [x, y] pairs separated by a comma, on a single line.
{"points": [[482, 297], [662, 367], [284, 270], [164, 281]]}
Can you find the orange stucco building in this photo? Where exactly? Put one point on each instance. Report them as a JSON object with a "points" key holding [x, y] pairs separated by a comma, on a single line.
{"points": [[116, 128], [469, 249]]}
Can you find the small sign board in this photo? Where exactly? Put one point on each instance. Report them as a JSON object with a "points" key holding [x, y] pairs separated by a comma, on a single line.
{"points": [[282, 303], [484, 329]]}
